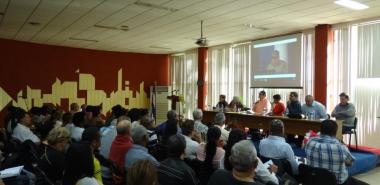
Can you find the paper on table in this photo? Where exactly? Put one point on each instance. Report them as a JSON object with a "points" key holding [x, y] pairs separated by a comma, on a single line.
{"points": [[268, 163], [11, 172]]}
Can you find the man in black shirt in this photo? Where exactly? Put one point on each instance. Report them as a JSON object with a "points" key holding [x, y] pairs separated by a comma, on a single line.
{"points": [[173, 170]]}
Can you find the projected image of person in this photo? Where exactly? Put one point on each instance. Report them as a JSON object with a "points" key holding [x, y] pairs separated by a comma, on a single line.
{"points": [[277, 65]]}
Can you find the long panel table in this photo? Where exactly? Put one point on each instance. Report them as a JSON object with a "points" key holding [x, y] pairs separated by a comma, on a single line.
{"points": [[292, 126]]}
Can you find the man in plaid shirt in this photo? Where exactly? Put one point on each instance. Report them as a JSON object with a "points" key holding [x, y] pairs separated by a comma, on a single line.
{"points": [[327, 152]]}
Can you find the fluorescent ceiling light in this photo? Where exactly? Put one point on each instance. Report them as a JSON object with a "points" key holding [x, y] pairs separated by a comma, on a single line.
{"points": [[351, 4]]}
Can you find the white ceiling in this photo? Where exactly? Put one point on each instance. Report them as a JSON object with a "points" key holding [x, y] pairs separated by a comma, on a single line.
{"points": [[159, 30]]}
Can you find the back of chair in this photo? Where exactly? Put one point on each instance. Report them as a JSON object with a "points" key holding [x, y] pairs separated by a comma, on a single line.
{"points": [[315, 176], [355, 122], [283, 167]]}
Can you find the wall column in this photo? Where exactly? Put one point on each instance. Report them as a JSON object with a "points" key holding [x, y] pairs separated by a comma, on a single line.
{"points": [[323, 49], [202, 72]]}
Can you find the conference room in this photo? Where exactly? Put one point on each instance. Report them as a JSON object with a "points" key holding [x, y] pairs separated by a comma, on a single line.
{"points": [[198, 92]]}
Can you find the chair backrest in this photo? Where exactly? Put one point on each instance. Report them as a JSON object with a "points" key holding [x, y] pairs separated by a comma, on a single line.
{"points": [[355, 122], [315, 176]]}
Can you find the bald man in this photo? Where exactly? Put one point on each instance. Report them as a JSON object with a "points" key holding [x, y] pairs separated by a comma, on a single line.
{"points": [[121, 144], [313, 109]]}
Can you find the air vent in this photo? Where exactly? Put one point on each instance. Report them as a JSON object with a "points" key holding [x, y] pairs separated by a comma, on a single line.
{"points": [[82, 39], [149, 5], [123, 27], [252, 26]]}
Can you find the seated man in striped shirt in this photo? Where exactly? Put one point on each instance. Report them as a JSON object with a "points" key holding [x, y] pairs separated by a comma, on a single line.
{"points": [[327, 152]]}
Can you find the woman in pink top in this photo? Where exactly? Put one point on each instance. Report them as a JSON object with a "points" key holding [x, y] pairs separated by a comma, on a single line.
{"points": [[262, 105], [211, 153]]}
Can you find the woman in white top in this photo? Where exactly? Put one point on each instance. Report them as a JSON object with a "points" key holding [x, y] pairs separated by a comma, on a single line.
{"points": [[211, 152]]}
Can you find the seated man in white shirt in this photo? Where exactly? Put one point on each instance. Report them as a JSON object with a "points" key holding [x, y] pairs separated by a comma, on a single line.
{"points": [[199, 127], [79, 119], [191, 146], [275, 146], [22, 131], [219, 120]]}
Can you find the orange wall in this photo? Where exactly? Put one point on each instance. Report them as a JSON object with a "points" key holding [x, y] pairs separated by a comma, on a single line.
{"points": [[39, 65]]}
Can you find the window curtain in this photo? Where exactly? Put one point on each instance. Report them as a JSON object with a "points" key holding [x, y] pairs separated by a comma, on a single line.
{"points": [[354, 70], [184, 76], [307, 74]]}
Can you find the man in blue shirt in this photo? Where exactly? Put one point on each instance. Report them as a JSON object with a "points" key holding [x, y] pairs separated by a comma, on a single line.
{"points": [[139, 151], [275, 146], [329, 153], [313, 109]]}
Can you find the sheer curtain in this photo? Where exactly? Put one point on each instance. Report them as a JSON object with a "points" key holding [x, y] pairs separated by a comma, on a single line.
{"points": [[229, 73], [308, 73], [184, 76], [355, 70]]}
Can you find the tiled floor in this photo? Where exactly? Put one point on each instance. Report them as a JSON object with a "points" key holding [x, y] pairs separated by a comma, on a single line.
{"points": [[371, 177]]}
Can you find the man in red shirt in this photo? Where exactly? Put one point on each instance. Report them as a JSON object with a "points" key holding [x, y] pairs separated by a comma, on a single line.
{"points": [[121, 144]]}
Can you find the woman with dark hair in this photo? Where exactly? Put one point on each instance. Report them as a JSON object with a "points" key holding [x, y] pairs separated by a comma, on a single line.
{"points": [[79, 169], [235, 136], [212, 152]]}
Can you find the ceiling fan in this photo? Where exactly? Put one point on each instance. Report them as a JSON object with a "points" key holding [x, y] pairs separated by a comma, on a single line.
{"points": [[202, 41]]}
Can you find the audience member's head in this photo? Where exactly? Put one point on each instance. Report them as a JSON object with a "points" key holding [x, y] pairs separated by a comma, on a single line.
{"points": [[79, 163], [118, 111], [198, 114], [121, 118], [277, 128], [329, 127], [213, 139], [23, 117], [91, 135], [58, 138], [79, 119], [67, 118], [147, 121], [244, 157], [170, 129], [235, 136], [276, 98], [134, 114], [187, 128], [176, 145], [142, 172], [123, 127], [262, 95], [140, 135], [344, 98], [293, 96], [309, 99], [220, 118], [171, 115], [74, 107]]}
